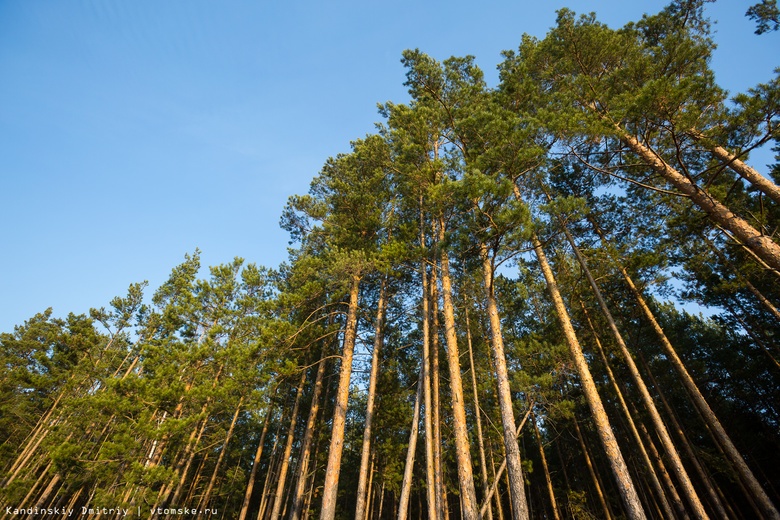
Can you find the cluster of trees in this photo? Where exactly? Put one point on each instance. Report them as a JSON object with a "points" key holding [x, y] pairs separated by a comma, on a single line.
{"points": [[484, 275]]}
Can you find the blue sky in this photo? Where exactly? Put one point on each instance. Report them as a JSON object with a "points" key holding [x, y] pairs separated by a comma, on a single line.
{"points": [[132, 132]]}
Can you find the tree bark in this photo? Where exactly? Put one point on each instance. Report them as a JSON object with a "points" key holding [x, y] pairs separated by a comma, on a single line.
{"points": [[761, 244], [514, 465], [477, 414], [546, 469], [462, 451], [660, 427], [751, 175], [256, 462], [303, 467], [406, 485], [330, 490], [278, 496]]}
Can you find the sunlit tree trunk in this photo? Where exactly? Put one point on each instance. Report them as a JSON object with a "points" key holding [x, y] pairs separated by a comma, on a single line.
{"points": [[255, 463], [330, 489], [546, 469], [514, 465], [660, 427], [308, 436], [477, 414], [406, 484], [279, 495], [462, 451]]}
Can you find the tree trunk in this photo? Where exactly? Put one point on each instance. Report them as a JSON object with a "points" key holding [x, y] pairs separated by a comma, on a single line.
{"points": [[330, 490], [438, 474], [430, 487], [462, 451], [609, 442], [661, 495], [256, 462], [303, 467], [500, 472], [546, 470], [278, 496], [366, 449], [207, 495], [592, 471], [477, 415], [760, 182], [406, 485], [514, 465], [761, 244]]}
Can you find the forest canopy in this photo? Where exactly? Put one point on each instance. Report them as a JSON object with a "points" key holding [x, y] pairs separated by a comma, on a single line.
{"points": [[485, 313]]}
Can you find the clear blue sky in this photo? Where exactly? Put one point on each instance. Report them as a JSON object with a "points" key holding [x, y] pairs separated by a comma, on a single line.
{"points": [[132, 132]]}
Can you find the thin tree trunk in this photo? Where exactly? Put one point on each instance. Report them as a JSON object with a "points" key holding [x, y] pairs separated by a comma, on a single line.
{"points": [[743, 470], [462, 451], [760, 297], [366, 449], [500, 472], [515, 467], [592, 471], [221, 457], [330, 490], [303, 469], [255, 463], [441, 490], [406, 485], [714, 498], [609, 442], [430, 487], [278, 496], [477, 414], [632, 426], [546, 470]]}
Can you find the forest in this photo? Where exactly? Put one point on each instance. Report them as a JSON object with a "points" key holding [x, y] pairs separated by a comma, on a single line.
{"points": [[558, 297]]}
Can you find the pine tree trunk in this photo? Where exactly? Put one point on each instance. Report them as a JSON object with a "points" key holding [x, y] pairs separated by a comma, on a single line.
{"points": [[255, 463], [303, 469], [592, 471], [498, 474], [477, 415], [441, 491], [515, 467], [761, 244], [366, 449], [609, 442], [430, 487], [279, 495], [660, 427], [406, 484], [760, 182], [221, 457], [746, 475], [462, 451], [759, 296], [546, 470], [330, 490]]}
